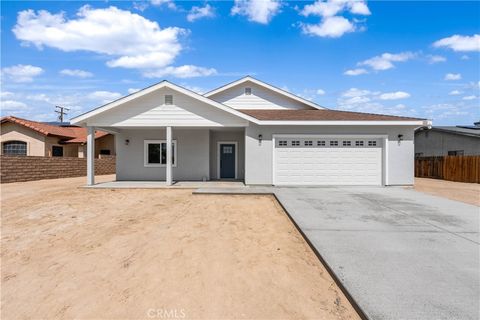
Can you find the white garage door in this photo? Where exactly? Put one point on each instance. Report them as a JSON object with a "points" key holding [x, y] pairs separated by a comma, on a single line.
{"points": [[329, 161]]}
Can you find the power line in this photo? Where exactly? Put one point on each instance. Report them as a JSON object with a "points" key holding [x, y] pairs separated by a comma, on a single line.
{"points": [[61, 112]]}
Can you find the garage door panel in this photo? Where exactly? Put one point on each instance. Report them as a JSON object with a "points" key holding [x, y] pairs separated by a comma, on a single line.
{"points": [[314, 161]]}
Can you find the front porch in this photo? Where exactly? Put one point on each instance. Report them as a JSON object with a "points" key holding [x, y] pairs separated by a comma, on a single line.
{"points": [[197, 157], [217, 184]]}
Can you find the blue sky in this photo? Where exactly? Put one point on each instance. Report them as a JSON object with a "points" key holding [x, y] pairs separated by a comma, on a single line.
{"points": [[403, 58]]}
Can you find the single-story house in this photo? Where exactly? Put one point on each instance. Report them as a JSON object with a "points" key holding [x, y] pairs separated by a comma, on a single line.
{"points": [[251, 131], [448, 141], [32, 138]]}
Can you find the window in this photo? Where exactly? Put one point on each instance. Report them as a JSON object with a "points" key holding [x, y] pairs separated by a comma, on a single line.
{"points": [[57, 151], [105, 151], [168, 99], [333, 143], [248, 91], [308, 143], [347, 143], [155, 153], [15, 148], [295, 143], [455, 153], [321, 143], [359, 143], [372, 143], [282, 143]]}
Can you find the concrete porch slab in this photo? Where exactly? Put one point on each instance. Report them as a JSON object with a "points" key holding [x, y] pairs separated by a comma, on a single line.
{"points": [[224, 185]]}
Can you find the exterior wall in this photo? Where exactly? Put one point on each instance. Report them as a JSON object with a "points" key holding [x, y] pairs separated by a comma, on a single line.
{"points": [[69, 150], [35, 141], [192, 155], [260, 98], [19, 168], [259, 156], [215, 137], [106, 142], [150, 111], [437, 143]]}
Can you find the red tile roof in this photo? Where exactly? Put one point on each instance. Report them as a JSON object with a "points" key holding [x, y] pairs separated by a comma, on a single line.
{"points": [[72, 134], [320, 115]]}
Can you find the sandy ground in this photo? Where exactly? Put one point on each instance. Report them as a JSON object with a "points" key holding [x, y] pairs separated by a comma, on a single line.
{"points": [[464, 192], [123, 254]]}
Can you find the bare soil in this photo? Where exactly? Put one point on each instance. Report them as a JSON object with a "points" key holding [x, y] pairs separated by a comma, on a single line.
{"points": [[69, 252], [460, 191]]}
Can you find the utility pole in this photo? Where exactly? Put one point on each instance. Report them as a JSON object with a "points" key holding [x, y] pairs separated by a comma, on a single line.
{"points": [[61, 112]]}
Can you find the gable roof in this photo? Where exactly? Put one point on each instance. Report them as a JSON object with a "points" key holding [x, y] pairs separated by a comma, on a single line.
{"points": [[320, 115], [71, 134], [460, 130], [163, 84], [265, 85]]}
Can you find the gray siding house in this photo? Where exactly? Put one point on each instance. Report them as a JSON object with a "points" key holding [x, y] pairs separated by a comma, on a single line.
{"points": [[448, 141], [251, 131]]}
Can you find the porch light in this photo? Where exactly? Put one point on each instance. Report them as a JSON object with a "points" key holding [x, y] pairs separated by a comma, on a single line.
{"points": [[260, 137], [127, 141], [400, 137]]}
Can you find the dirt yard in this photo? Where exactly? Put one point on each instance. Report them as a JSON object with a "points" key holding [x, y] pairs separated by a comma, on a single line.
{"points": [[79, 253], [464, 192]]}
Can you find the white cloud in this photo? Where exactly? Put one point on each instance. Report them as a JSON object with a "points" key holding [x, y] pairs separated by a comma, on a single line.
{"points": [[6, 94], [261, 11], [465, 57], [446, 110], [132, 90], [331, 8], [330, 27], [460, 43], [76, 73], [22, 73], [320, 92], [103, 96], [435, 59], [12, 105], [469, 98], [386, 60], [394, 95], [452, 76], [168, 3], [455, 92], [200, 12], [185, 71], [132, 40], [355, 72], [359, 7]]}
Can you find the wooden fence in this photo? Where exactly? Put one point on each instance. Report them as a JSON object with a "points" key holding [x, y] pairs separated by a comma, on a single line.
{"points": [[452, 168]]}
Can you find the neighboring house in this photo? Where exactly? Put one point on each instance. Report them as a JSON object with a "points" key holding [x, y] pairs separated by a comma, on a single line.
{"points": [[31, 138], [448, 141], [251, 131]]}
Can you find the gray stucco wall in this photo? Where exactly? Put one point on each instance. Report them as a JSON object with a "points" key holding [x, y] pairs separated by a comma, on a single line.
{"points": [[239, 137], [259, 156], [436, 143], [192, 154]]}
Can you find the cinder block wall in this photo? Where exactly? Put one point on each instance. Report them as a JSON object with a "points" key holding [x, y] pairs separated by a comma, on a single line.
{"points": [[18, 168]]}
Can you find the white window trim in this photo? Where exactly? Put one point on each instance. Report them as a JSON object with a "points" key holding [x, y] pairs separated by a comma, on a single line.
{"points": [[145, 153], [219, 143]]}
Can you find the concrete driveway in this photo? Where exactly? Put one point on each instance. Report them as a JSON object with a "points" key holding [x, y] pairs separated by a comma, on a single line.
{"points": [[401, 254]]}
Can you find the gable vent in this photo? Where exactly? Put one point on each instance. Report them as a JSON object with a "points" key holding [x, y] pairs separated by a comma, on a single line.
{"points": [[248, 91], [168, 99]]}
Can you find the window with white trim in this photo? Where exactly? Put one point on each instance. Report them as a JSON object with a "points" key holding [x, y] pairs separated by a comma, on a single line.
{"points": [[282, 143], [168, 99], [359, 143], [334, 143], [372, 143], [346, 143], [308, 143], [321, 143], [295, 143], [155, 153]]}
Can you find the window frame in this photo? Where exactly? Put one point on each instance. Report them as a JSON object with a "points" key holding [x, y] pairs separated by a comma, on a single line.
{"points": [[346, 143], [282, 143], [372, 143], [145, 153], [15, 141], [333, 143], [57, 146]]}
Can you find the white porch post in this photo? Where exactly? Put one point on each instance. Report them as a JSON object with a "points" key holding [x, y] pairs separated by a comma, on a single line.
{"points": [[169, 157], [90, 156]]}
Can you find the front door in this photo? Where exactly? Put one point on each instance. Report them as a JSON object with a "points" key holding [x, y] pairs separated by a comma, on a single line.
{"points": [[227, 161]]}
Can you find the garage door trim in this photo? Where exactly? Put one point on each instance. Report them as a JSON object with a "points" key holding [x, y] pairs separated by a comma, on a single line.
{"points": [[384, 138]]}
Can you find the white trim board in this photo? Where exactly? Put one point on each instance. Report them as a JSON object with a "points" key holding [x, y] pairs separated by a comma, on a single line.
{"points": [[219, 143]]}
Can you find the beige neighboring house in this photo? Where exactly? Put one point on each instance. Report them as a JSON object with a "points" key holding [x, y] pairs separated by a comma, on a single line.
{"points": [[31, 138]]}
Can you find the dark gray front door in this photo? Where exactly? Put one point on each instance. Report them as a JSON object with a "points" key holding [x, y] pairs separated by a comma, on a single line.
{"points": [[227, 161]]}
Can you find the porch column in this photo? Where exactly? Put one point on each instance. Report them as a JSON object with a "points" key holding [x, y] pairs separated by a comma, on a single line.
{"points": [[168, 174], [90, 156]]}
